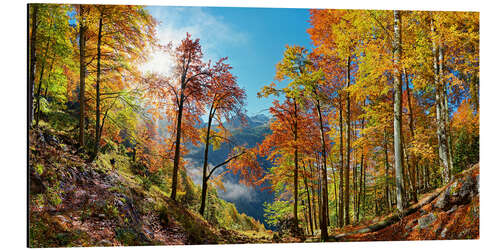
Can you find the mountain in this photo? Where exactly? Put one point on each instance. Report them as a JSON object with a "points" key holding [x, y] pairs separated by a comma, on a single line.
{"points": [[248, 200]]}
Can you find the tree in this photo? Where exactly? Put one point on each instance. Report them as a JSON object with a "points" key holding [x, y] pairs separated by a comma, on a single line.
{"points": [[83, 68], [121, 47], [225, 101], [33, 40], [304, 86], [190, 72], [398, 149]]}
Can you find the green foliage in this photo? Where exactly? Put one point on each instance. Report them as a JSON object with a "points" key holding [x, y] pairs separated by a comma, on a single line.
{"points": [[276, 211], [39, 168], [465, 151], [45, 232], [53, 194], [128, 236], [60, 120]]}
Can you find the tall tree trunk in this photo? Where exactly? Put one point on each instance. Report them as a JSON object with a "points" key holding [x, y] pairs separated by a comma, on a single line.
{"points": [[474, 89], [296, 166], [361, 183], [304, 212], [39, 89], [354, 183], [97, 90], [411, 192], [386, 164], [446, 112], [45, 94], [376, 200], [364, 193], [320, 193], [40, 80], [308, 198], [134, 152], [38, 112], [341, 167], [348, 149], [335, 196], [83, 69], [177, 152], [441, 122], [313, 192], [32, 58], [361, 172], [324, 191], [398, 150], [414, 166], [205, 163]]}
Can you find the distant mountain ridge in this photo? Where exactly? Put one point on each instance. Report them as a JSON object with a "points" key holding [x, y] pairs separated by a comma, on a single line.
{"points": [[247, 200]]}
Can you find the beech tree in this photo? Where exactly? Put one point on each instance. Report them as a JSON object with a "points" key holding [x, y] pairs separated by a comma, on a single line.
{"points": [[224, 101], [121, 46]]}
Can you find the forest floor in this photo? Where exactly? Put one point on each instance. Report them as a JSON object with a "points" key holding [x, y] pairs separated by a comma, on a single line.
{"points": [[449, 212]]}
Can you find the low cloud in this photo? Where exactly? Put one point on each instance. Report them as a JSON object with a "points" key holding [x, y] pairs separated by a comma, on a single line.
{"points": [[234, 190], [237, 191]]}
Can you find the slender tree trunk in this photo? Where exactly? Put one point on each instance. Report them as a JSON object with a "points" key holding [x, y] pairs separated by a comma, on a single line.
{"points": [[426, 178], [320, 193], [205, 163], [308, 198], [414, 165], [376, 200], [361, 183], [296, 166], [446, 111], [97, 90], [364, 191], [398, 150], [32, 44], [177, 152], [341, 168], [304, 212], [441, 122], [348, 149], [134, 152], [38, 112], [354, 183], [313, 192], [360, 174], [411, 192], [83, 69], [474, 89], [39, 89], [40, 80], [324, 192], [386, 163], [335, 196]]}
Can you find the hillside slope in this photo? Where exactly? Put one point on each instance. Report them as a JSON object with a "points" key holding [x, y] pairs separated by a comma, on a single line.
{"points": [[450, 212], [74, 203]]}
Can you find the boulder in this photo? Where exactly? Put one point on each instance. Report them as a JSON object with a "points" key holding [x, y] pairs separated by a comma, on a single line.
{"points": [[425, 221], [460, 192]]}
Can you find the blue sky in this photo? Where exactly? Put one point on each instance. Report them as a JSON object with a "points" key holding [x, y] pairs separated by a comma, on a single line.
{"points": [[253, 39]]}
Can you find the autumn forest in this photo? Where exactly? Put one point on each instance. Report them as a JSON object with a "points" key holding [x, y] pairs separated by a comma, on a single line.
{"points": [[372, 131]]}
